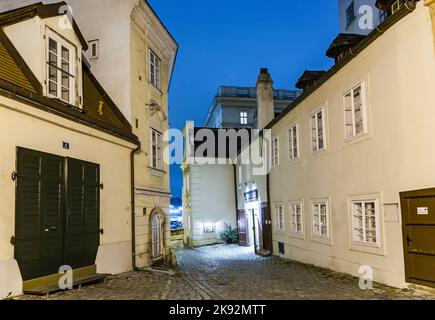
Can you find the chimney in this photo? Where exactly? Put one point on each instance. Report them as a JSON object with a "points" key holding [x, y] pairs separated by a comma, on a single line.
{"points": [[265, 103]]}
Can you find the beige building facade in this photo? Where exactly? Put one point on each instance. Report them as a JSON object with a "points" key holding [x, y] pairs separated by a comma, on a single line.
{"points": [[133, 56], [363, 140], [66, 157]]}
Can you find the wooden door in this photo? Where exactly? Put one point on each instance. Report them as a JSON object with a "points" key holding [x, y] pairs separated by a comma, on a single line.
{"points": [[82, 232], [39, 213], [267, 227], [418, 211], [243, 228]]}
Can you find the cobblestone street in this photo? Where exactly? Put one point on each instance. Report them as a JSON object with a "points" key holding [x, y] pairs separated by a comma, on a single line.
{"points": [[234, 273]]}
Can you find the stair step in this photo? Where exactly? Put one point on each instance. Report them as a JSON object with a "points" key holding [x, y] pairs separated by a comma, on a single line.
{"points": [[51, 288]]}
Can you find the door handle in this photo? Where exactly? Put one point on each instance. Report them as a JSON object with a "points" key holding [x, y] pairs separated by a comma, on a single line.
{"points": [[409, 240], [50, 229]]}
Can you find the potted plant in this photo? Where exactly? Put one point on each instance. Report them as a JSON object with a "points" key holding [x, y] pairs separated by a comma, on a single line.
{"points": [[229, 235]]}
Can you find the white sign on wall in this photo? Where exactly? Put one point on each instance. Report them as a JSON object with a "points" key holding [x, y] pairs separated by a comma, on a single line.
{"points": [[423, 211]]}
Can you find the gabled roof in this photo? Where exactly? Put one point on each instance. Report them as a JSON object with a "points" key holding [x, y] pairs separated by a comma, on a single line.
{"points": [[343, 42], [18, 82], [13, 69], [43, 11], [308, 78]]}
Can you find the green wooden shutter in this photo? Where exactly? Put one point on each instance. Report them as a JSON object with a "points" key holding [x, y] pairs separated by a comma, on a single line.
{"points": [[82, 235], [39, 213]]}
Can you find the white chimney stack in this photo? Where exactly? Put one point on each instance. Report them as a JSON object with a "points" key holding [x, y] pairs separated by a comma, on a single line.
{"points": [[265, 99]]}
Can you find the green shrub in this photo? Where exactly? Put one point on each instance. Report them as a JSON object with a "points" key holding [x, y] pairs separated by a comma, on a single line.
{"points": [[229, 235]]}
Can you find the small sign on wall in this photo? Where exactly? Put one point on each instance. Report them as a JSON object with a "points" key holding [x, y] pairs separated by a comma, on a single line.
{"points": [[65, 145], [423, 211]]}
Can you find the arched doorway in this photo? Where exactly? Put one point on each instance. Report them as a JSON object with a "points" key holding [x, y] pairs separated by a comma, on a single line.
{"points": [[157, 226]]}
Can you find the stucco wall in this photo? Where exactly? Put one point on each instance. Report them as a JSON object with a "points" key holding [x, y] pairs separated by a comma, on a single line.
{"points": [[27, 127], [213, 201], [396, 155]]}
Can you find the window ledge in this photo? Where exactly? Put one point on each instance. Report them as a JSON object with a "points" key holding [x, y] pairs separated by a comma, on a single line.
{"points": [[357, 139], [155, 88], [319, 153], [322, 240], [367, 248], [295, 161], [158, 171], [299, 236]]}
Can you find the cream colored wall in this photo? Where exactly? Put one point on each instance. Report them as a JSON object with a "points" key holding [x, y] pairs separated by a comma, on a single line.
{"points": [[109, 21], [142, 93], [213, 201], [396, 155], [28, 127]]}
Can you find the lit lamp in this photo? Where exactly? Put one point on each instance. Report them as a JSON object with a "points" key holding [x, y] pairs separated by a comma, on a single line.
{"points": [[209, 227]]}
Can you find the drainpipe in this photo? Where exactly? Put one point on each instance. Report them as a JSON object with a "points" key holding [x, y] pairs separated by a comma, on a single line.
{"points": [[236, 195], [270, 209], [133, 205]]}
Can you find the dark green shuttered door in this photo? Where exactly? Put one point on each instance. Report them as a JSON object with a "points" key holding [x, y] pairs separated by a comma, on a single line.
{"points": [[83, 213], [55, 225], [39, 213]]}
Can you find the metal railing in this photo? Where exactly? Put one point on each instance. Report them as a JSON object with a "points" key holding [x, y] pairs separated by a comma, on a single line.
{"points": [[249, 92]]}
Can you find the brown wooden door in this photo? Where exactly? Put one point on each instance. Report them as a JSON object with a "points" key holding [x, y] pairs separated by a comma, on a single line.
{"points": [[418, 211], [267, 227], [243, 226]]}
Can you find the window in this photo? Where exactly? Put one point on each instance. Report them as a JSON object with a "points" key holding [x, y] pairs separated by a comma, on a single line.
{"points": [[60, 68], [293, 142], [318, 132], [365, 225], [157, 236], [320, 219], [383, 15], [243, 117], [279, 218], [275, 152], [156, 150], [94, 49], [155, 66], [350, 14], [354, 110], [296, 218]]}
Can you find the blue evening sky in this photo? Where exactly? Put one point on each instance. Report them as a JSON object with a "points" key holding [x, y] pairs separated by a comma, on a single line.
{"points": [[226, 42]]}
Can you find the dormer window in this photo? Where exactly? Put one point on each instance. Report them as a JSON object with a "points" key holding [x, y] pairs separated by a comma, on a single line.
{"points": [[60, 68]]}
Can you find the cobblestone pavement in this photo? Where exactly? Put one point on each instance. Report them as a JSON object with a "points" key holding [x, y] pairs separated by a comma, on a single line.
{"points": [[234, 273]]}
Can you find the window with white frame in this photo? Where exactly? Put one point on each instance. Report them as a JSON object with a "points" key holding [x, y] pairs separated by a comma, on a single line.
{"points": [[275, 152], [155, 70], [354, 112], [156, 150], [279, 217], [94, 49], [296, 217], [243, 117], [61, 72], [365, 224], [293, 142], [318, 130], [320, 212]]}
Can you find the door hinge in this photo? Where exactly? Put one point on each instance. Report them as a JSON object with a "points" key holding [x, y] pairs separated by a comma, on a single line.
{"points": [[101, 186], [14, 176], [13, 240], [102, 231]]}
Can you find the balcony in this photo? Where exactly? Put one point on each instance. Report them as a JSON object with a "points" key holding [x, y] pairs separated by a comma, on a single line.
{"points": [[248, 92]]}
